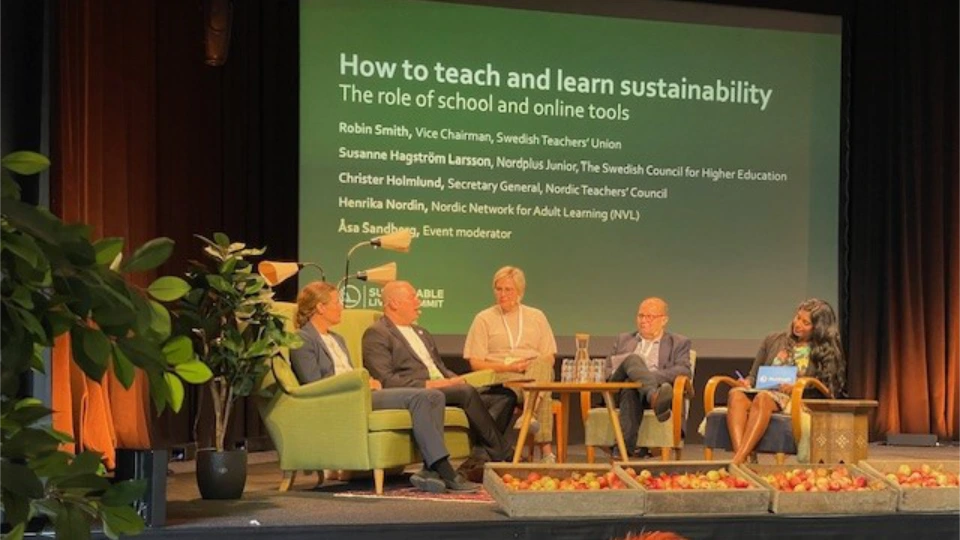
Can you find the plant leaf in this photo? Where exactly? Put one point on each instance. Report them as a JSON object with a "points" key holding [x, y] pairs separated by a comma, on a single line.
{"points": [[25, 162], [124, 493], [21, 480], [90, 350], [168, 288], [122, 519], [16, 533], [178, 350], [221, 239], [107, 249], [149, 256], [122, 367], [176, 391], [194, 372], [71, 522]]}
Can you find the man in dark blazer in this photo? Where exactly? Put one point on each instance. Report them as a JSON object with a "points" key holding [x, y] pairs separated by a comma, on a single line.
{"points": [[401, 354], [324, 354], [652, 357]]}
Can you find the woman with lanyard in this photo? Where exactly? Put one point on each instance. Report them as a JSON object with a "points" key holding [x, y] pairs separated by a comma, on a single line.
{"points": [[516, 342]]}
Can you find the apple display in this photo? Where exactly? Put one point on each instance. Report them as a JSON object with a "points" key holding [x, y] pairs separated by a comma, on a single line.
{"points": [[563, 481]]}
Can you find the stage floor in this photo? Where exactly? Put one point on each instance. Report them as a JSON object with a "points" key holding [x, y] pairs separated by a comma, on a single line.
{"points": [[310, 512]]}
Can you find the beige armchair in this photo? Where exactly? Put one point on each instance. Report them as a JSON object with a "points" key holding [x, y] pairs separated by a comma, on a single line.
{"points": [[667, 436]]}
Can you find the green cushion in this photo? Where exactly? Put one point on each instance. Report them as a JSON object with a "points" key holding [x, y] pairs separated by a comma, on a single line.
{"points": [[399, 419]]}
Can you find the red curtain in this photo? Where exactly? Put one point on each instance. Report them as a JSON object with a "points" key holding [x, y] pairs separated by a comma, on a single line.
{"points": [[104, 174]]}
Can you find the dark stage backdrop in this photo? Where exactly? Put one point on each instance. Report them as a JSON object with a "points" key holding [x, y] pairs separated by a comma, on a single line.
{"points": [[216, 149]]}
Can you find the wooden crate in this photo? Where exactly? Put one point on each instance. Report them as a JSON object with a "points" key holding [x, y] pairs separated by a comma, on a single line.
{"points": [[934, 499], [752, 500], [825, 502], [605, 502]]}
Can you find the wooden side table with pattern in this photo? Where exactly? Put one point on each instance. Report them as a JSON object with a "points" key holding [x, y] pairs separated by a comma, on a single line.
{"points": [[839, 429]]}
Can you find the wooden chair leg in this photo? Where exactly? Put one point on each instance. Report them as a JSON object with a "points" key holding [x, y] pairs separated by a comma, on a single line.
{"points": [[558, 426], [378, 481], [679, 453], [591, 454], [708, 453], [781, 457], [531, 447], [665, 454], [287, 482]]}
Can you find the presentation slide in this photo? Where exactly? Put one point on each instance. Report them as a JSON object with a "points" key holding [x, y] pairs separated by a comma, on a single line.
{"points": [[610, 158]]}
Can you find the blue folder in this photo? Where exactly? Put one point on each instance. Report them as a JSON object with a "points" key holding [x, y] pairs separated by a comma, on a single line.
{"points": [[771, 377]]}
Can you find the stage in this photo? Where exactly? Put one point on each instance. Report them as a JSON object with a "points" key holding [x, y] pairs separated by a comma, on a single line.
{"points": [[343, 510]]}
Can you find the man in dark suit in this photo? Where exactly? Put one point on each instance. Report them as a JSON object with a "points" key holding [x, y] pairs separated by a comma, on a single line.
{"points": [[324, 354], [401, 354], [652, 357]]}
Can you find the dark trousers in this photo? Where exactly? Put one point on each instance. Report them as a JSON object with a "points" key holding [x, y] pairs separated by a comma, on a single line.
{"points": [[489, 412], [632, 401], [426, 413]]}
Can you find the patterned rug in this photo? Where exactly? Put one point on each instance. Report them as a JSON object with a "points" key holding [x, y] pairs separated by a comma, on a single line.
{"points": [[410, 492]]}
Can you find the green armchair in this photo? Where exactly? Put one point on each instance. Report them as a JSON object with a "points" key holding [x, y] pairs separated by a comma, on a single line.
{"points": [[329, 424]]}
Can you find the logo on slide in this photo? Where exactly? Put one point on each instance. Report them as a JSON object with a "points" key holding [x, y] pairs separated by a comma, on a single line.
{"points": [[351, 296]]}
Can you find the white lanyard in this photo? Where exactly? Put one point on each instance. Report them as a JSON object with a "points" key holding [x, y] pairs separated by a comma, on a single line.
{"points": [[513, 344]]}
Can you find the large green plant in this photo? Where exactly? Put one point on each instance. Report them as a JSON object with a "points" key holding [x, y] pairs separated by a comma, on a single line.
{"points": [[228, 310], [56, 281]]}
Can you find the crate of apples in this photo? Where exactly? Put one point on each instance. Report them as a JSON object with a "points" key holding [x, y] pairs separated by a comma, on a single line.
{"points": [[690, 487], [924, 486], [827, 489], [573, 489], [575, 481]]}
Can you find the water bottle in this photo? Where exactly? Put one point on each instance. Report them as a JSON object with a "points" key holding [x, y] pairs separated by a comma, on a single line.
{"points": [[582, 358]]}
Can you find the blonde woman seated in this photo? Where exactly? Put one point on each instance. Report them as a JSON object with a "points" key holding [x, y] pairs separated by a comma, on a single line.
{"points": [[516, 342]]}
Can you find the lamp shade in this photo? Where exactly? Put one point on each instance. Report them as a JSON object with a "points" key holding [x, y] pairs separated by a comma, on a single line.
{"points": [[277, 272], [395, 241], [380, 275]]}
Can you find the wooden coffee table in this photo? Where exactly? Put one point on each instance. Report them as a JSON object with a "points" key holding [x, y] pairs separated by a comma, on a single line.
{"points": [[533, 389]]}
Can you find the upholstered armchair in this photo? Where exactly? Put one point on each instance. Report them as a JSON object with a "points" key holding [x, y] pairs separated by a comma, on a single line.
{"points": [[667, 436], [329, 424], [788, 432]]}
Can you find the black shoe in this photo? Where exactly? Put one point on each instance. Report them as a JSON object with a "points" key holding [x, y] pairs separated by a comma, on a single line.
{"points": [[662, 401], [461, 485], [429, 481], [636, 453]]}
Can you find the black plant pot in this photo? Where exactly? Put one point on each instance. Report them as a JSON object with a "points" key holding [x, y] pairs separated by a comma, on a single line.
{"points": [[221, 475]]}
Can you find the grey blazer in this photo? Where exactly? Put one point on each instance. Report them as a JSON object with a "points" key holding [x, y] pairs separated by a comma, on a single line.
{"points": [[674, 358], [390, 359], [313, 361]]}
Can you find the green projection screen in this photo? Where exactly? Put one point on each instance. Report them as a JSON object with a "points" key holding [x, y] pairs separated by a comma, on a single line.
{"points": [[692, 155]]}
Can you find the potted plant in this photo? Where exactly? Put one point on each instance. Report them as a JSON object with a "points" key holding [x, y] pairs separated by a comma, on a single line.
{"points": [[228, 312], [55, 280]]}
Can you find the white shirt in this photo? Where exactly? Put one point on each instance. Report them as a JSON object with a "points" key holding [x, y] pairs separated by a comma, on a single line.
{"points": [[341, 362], [421, 349], [650, 352]]}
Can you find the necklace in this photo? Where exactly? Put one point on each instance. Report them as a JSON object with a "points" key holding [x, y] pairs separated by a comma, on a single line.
{"points": [[513, 343]]}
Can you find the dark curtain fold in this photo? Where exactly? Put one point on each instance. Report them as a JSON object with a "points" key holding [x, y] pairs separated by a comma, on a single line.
{"points": [[903, 338]]}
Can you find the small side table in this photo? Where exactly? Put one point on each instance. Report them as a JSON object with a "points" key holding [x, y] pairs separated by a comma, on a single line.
{"points": [[839, 429]]}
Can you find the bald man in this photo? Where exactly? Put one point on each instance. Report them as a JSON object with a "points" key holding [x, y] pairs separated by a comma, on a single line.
{"points": [[402, 354], [652, 357]]}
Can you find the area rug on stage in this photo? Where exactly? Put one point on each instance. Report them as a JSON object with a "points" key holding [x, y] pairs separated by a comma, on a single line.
{"points": [[410, 492]]}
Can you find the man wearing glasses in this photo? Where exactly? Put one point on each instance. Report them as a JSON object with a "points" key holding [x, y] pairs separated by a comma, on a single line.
{"points": [[653, 358]]}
